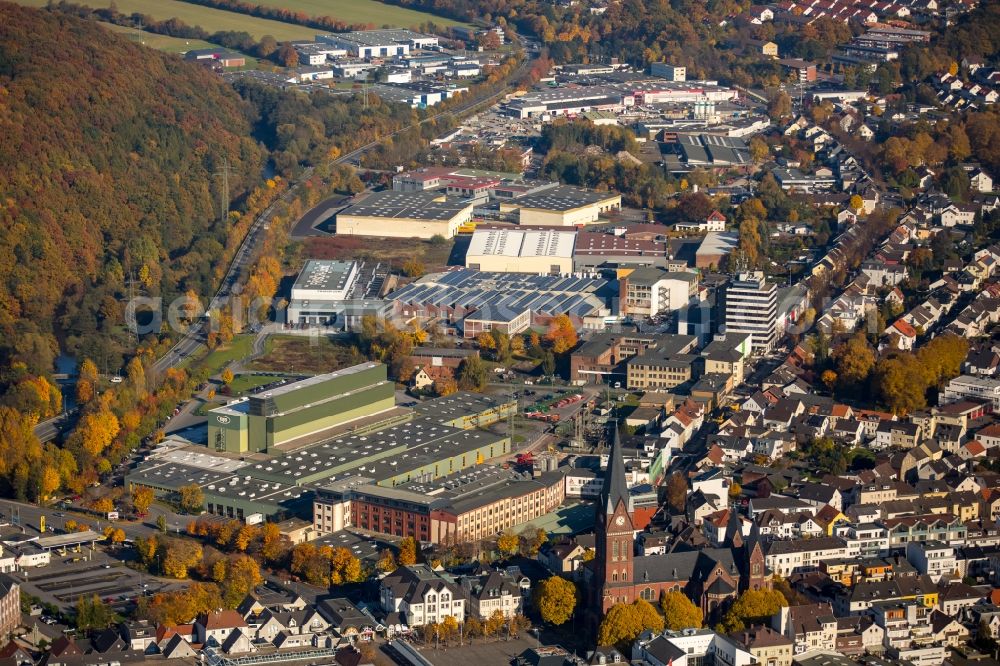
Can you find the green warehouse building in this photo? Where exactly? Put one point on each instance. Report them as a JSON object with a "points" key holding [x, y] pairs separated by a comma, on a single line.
{"points": [[295, 414], [266, 453]]}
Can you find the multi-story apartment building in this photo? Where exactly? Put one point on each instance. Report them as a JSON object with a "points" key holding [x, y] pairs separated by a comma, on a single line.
{"points": [[421, 596], [943, 527], [751, 306], [602, 358], [808, 626], [648, 291], [787, 557], [933, 558]]}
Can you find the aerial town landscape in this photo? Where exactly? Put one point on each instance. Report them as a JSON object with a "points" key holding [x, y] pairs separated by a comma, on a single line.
{"points": [[500, 332]]}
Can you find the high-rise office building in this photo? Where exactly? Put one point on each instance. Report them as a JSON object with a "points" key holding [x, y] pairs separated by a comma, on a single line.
{"points": [[752, 307]]}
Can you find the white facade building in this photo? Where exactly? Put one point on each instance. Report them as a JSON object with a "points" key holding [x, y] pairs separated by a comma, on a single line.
{"points": [[752, 307], [421, 596], [971, 387]]}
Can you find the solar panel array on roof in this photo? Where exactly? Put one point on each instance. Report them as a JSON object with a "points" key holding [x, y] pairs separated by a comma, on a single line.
{"points": [[506, 292], [413, 205], [713, 149], [563, 197]]}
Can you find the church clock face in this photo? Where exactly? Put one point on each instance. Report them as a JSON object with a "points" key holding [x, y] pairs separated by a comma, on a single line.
{"points": [[619, 521]]}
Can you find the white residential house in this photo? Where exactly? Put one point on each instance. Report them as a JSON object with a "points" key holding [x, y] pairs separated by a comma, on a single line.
{"points": [[421, 595], [216, 627], [980, 181]]}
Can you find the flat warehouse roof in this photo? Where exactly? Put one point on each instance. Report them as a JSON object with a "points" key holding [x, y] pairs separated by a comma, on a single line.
{"points": [[564, 197], [173, 475], [402, 205], [351, 451], [323, 274], [463, 441], [380, 37], [313, 381], [595, 243], [252, 489], [459, 404], [522, 243], [200, 457]]}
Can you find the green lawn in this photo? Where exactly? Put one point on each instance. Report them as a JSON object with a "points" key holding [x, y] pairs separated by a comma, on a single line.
{"points": [[219, 358], [362, 11], [244, 383], [209, 19], [203, 408]]}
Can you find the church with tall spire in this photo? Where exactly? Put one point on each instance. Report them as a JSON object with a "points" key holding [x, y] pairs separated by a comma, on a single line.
{"points": [[711, 577], [614, 547]]}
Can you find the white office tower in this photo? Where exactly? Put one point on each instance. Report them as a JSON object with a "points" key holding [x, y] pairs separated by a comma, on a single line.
{"points": [[752, 307]]}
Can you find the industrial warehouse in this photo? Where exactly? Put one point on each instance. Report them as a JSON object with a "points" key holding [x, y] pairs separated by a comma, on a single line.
{"points": [[269, 456], [471, 301], [326, 290], [614, 92], [559, 251], [404, 215], [495, 195], [562, 206]]}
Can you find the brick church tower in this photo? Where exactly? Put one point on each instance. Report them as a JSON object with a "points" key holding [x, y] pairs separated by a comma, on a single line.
{"points": [[615, 534]]}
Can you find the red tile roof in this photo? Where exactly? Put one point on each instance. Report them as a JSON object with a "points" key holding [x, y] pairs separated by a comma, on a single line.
{"points": [[226, 619], [975, 448]]}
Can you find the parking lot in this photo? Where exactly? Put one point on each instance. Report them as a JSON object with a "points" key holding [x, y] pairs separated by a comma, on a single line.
{"points": [[75, 574]]}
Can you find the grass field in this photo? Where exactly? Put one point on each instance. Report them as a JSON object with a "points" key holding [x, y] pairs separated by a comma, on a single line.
{"points": [[210, 19], [168, 44], [158, 42], [362, 11], [300, 354], [243, 383], [219, 358]]}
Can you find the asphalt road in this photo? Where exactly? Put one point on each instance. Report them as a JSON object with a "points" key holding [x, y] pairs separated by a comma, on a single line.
{"points": [[29, 515], [47, 430], [318, 214]]}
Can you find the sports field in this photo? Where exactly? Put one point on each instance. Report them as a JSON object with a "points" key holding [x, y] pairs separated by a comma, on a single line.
{"points": [[361, 11], [212, 20]]}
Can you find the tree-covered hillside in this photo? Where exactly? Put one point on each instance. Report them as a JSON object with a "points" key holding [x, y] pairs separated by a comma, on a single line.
{"points": [[109, 162]]}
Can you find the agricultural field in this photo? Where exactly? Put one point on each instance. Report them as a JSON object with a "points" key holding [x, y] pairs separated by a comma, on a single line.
{"points": [[362, 11], [209, 19]]}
